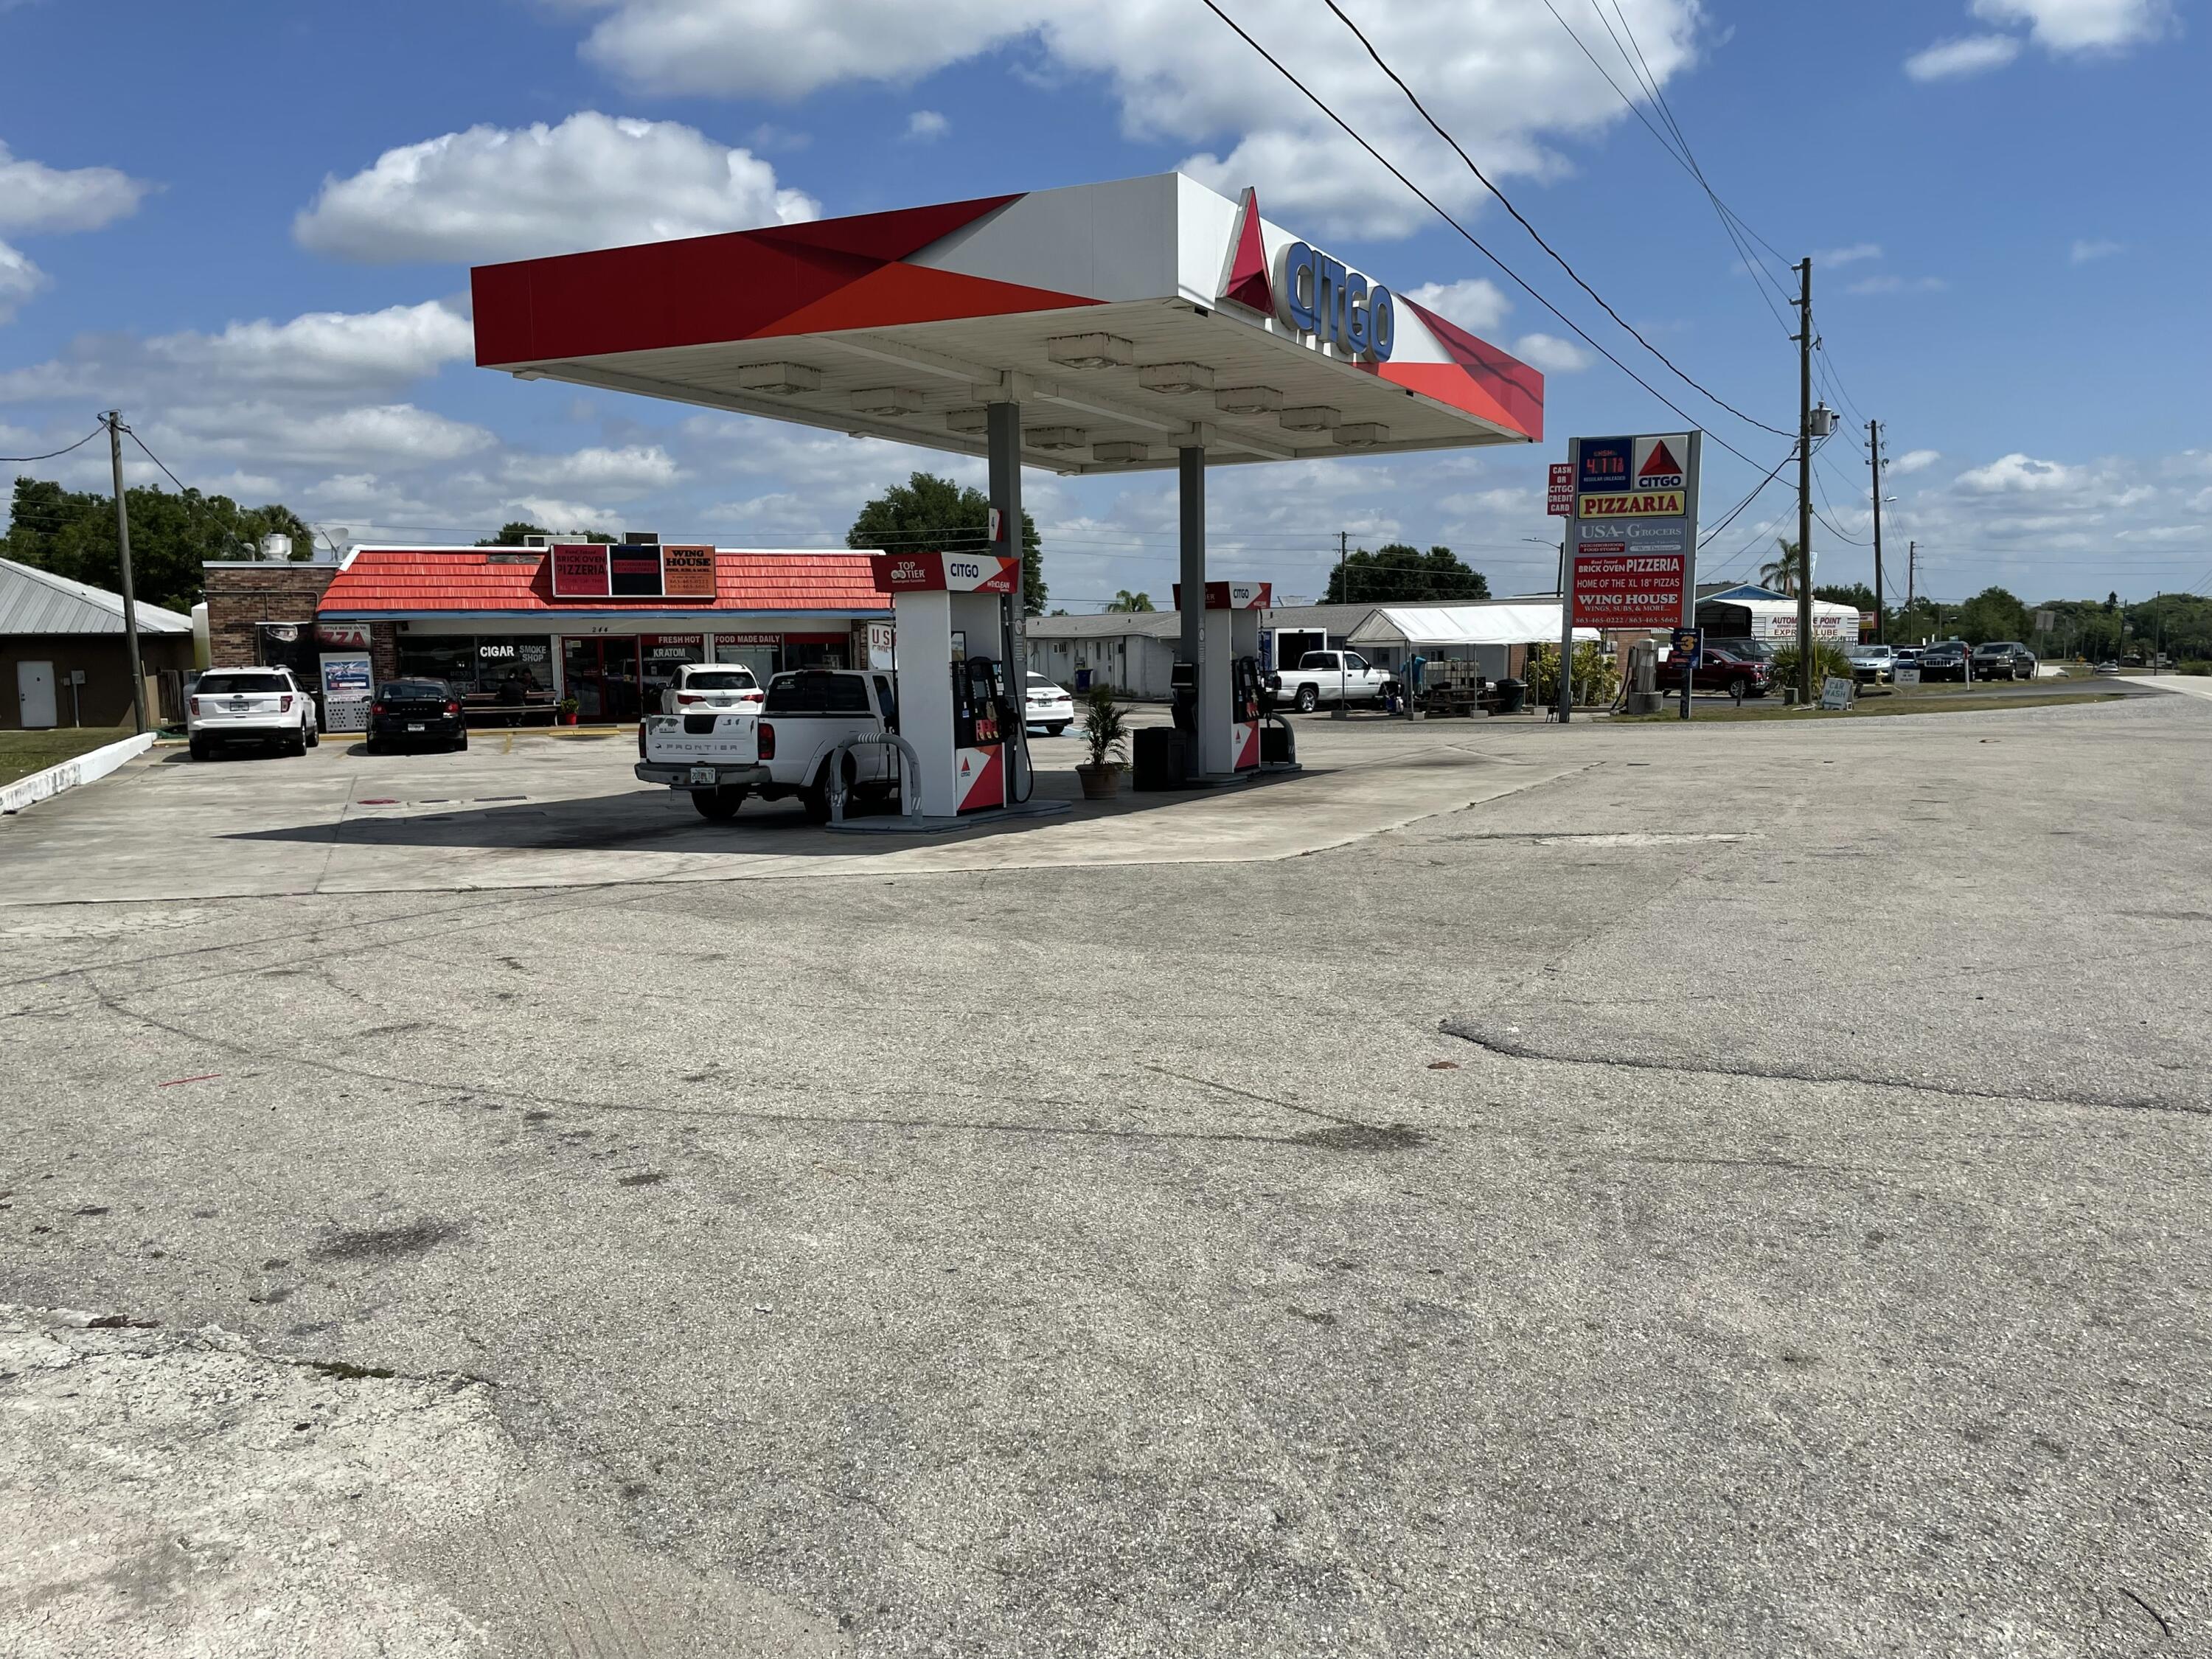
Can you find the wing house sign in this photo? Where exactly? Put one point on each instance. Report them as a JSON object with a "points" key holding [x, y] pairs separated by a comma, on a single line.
{"points": [[632, 570]]}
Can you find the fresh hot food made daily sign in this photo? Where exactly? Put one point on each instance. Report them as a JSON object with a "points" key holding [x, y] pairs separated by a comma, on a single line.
{"points": [[1634, 531]]}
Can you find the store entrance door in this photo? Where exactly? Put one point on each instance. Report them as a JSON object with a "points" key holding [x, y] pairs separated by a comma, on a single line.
{"points": [[601, 674]]}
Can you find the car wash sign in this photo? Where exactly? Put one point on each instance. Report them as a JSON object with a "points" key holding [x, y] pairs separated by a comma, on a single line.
{"points": [[1632, 536]]}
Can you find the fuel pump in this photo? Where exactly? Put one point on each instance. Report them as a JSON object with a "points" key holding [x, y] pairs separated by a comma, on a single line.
{"points": [[1244, 696], [981, 718]]}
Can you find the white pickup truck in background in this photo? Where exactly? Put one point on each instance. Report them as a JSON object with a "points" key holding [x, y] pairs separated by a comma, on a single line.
{"points": [[722, 756], [1327, 677]]}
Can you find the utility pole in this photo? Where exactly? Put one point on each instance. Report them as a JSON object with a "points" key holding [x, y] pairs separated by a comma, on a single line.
{"points": [[1343, 709], [1874, 449], [1805, 480], [113, 422]]}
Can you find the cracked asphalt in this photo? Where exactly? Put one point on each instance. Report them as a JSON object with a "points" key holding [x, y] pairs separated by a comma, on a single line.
{"points": [[1743, 1193]]}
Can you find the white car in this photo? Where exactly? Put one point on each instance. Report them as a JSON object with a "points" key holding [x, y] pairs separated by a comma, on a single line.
{"points": [[711, 685], [262, 707], [1048, 705]]}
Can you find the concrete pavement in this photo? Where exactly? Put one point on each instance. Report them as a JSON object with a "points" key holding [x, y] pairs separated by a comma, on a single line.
{"points": [[1740, 1193]]}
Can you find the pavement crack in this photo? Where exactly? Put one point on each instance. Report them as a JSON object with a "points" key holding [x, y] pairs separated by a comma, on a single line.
{"points": [[2165, 1629], [1510, 1050]]}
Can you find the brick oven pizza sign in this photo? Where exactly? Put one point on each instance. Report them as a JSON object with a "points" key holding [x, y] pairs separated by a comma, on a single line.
{"points": [[579, 571], [1615, 588]]}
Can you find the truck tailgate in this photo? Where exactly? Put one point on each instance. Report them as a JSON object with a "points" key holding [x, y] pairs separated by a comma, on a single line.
{"points": [[715, 738]]}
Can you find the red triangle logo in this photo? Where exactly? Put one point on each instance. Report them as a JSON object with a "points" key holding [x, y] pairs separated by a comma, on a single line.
{"points": [[1661, 464], [1248, 282]]}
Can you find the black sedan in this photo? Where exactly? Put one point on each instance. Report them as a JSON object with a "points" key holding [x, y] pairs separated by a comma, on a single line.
{"points": [[411, 714]]}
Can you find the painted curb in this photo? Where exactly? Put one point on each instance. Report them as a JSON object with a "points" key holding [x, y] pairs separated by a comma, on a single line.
{"points": [[85, 769]]}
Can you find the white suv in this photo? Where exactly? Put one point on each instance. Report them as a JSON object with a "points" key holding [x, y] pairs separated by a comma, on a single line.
{"points": [[263, 706], [702, 686]]}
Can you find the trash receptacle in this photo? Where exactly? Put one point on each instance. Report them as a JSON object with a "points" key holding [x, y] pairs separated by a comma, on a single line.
{"points": [[1277, 746], [1082, 679], [1160, 758], [1512, 697]]}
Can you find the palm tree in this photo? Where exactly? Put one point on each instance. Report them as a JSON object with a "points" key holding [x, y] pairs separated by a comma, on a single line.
{"points": [[1780, 575], [1125, 600]]}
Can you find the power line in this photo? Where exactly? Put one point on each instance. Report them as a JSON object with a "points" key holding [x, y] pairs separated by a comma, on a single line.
{"points": [[51, 454], [1521, 219], [1352, 132]]}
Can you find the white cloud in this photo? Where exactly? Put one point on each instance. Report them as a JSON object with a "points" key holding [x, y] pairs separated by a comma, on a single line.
{"points": [[1914, 460], [34, 197], [351, 349], [1849, 256], [633, 469], [1973, 55], [264, 432], [2017, 474], [1473, 303], [19, 280], [2085, 251], [1503, 76], [499, 193], [1896, 285], [1550, 354], [927, 124], [2078, 26]]}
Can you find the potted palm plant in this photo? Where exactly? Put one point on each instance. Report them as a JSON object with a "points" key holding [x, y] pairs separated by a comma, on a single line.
{"points": [[568, 710], [1107, 732]]}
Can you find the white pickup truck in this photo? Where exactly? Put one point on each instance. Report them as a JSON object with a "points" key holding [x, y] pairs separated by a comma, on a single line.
{"points": [[1327, 677], [723, 755]]}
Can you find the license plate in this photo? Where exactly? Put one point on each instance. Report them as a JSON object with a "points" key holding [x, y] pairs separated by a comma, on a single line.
{"points": [[702, 775], [238, 708], [414, 728]]}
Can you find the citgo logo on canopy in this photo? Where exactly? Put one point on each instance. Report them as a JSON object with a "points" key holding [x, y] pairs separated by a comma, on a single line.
{"points": [[1320, 296]]}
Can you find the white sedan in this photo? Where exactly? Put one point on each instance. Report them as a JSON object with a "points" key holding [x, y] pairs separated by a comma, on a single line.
{"points": [[702, 686], [1048, 706]]}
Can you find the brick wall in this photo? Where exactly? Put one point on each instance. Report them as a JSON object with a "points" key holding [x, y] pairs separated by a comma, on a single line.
{"points": [[241, 595]]}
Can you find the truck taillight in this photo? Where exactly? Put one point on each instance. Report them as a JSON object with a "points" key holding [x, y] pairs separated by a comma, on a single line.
{"points": [[452, 709], [284, 704], [767, 741], [376, 708], [192, 704]]}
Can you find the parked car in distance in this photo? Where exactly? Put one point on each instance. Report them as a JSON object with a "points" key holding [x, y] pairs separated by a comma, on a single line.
{"points": [[1048, 705], [2023, 662], [1871, 664], [416, 714], [1998, 659], [704, 685], [1946, 661], [2107, 666], [1323, 677], [263, 707], [1720, 668]]}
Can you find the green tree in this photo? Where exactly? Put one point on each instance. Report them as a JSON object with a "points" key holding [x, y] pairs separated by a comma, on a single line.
{"points": [[1125, 600], [927, 513], [1858, 595], [71, 532], [1994, 614], [516, 533], [1396, 574], [1779, 574]]}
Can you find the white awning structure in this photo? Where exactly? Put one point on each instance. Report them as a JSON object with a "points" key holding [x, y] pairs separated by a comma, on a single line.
{"points": [[1431, 628], [1776, 619]]}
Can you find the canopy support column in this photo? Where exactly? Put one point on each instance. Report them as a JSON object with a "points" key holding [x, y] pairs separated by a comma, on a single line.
{"points": [[1004, 432], [1213, 689]]}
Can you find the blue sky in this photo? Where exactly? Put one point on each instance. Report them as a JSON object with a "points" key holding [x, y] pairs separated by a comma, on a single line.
{"points": [[249, 226]]}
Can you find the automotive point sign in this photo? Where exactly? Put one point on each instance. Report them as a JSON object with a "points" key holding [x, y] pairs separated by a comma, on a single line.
{"points": [[1633, 532]]}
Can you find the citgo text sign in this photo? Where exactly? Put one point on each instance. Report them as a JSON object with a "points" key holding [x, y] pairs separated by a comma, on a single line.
{"points": [[1321, 296], [1632, 534]]}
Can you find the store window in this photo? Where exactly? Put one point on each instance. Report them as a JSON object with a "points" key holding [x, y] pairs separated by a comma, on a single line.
{"points": [[661, 656], [502, 679]]}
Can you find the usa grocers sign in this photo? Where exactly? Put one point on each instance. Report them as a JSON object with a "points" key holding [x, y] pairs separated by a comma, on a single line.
{"points": [[1633, 532]]}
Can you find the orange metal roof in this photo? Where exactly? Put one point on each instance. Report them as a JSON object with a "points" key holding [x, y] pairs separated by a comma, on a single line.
{"points": [[419, 580]]}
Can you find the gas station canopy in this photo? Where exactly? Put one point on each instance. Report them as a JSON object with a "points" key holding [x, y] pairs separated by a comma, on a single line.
{"points": [[1133, 320]]}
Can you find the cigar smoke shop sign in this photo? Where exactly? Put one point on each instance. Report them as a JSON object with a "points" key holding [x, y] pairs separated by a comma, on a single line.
{"points": [[1633, 533]]}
